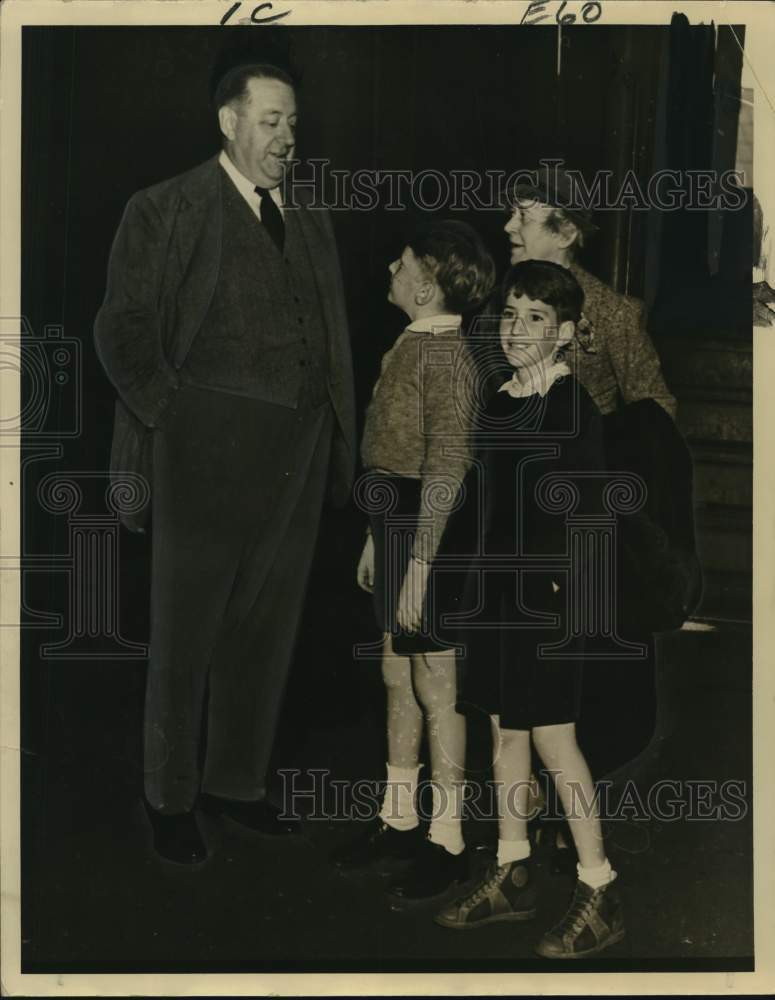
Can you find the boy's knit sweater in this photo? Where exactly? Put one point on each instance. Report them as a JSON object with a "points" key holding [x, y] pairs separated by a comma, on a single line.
{"points": [[419, 420]]}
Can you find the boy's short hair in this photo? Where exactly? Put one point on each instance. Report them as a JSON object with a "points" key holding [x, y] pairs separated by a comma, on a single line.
{"points": [[454, 254], [545, 281]]}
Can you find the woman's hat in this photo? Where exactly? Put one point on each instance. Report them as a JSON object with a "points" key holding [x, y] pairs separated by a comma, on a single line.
{"points": [[551, 185]]}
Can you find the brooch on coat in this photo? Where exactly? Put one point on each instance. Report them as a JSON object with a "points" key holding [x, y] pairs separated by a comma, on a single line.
{"points": [[585, 334]]}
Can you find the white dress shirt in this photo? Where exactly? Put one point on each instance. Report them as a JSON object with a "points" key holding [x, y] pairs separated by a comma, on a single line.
{"points": [[438, 323], [247, 188]]}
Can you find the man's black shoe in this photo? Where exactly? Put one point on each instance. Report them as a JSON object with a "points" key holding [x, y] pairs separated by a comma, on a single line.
{"points": [[176, 838], [379, 846], [262, 817], [433, 871]]}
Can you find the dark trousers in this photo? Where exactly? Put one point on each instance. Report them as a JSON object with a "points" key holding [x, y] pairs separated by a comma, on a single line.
{"points": [[237, 494]]}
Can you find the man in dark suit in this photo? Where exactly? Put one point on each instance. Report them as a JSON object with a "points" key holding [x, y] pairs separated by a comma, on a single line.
{"points": [[224, 333]]}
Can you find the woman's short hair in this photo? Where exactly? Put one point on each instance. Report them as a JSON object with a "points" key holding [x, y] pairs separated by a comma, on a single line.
{"points": [[545, 281], [233, 85], [457, 259], [558, 220]]}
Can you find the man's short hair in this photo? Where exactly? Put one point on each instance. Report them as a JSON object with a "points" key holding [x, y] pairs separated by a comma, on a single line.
{"points": [[233, 85], [547, 282], [457, 259]]}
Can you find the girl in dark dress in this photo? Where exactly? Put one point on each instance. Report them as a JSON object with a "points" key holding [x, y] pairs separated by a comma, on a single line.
{"points": [[540, 447]]}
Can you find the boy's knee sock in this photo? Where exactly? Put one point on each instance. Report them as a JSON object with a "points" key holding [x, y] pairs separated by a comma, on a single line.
{"points": [[445, 826], [512, 850], [596, 876], [398, 806]]}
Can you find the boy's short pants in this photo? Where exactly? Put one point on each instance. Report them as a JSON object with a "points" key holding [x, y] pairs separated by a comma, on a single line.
{"points": [[393, 534]]}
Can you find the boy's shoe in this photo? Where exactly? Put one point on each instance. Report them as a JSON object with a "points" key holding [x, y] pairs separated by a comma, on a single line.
{"points": [[432, 872], [378, 846], [505, 894], [593, 922]]}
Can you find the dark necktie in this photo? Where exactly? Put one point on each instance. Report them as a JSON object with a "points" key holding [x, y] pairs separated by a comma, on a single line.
{"points": [[272, 217]]}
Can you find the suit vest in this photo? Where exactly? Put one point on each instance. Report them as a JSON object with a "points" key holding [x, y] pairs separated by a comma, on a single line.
{"points": [[264, 334]]}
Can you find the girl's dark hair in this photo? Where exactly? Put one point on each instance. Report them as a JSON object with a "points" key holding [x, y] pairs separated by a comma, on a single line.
{"points": [[545, 281], [454, 254]]}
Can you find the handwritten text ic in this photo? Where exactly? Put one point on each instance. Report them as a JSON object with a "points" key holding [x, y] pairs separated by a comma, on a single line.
{"points": [[257, 15]]}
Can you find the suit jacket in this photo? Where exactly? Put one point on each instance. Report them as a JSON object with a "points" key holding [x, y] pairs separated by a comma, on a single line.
{"points": [[626, 363], [162, 273]]}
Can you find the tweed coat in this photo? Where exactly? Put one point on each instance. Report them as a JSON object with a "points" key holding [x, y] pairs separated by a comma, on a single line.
{"points": [[162, 274], [626, 363]]}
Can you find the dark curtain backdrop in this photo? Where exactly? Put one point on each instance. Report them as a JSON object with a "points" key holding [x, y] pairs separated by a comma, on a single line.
{"points": [[107, 111], [111, 110]]}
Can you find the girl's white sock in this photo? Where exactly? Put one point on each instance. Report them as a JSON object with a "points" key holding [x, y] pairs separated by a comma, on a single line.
{"points": [[596, 876], [398, 806], [512, 850], [446, 820]]}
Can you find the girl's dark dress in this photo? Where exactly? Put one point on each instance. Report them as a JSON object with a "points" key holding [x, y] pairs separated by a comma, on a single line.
{"points": [[502, 670]]}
